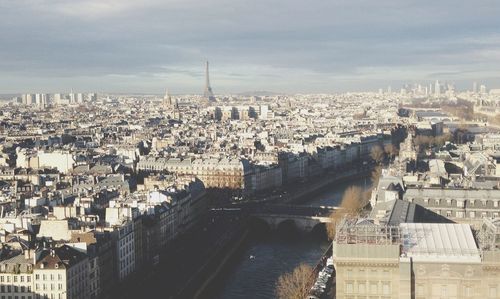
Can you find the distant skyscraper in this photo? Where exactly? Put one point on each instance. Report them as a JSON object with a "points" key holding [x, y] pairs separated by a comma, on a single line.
{"points": [[474, 87], [437, 89], [92, 97], [208, 93], [57, 98], [482, 89], [79, 97], [72, 98]]}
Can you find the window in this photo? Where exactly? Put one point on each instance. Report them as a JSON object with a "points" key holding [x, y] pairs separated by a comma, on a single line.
{"points": [[386, 288], [472, 214], [349, 287], [361, 288], [420, 289], [444, 291], [468, 291], [493, 292], [373, 288]]}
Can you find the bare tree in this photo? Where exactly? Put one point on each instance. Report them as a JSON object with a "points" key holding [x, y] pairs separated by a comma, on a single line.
{"points": [[377, 153], [376, 173], [391, 150], [296, 284], [353, 202]]}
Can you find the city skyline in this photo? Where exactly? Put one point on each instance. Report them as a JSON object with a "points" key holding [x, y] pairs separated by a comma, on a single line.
{"points": [[123, 46]]}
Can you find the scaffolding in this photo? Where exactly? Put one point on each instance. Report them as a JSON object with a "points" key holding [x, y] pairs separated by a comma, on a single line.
{"points": [[365, 231], [489, 234]]}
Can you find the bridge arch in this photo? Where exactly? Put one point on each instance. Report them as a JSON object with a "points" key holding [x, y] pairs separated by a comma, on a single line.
{"points": [[259, 224], [319, 229], [287, 226]]}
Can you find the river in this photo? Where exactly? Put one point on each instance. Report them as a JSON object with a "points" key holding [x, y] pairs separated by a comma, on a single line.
{"points": [[255, 272]]}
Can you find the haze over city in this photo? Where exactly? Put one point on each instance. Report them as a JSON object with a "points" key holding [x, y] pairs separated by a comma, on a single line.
{"points": [[282, 46]]}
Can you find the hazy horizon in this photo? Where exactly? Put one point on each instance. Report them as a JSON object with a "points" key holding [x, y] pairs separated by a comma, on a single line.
{"points": [[287, 46]]}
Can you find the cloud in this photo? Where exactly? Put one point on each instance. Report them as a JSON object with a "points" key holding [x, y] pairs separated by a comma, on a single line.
{"points": [[286, 44]]}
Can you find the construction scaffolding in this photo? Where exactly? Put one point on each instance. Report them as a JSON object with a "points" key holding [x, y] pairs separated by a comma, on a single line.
{"points": [[489, 234], [365, 231]]}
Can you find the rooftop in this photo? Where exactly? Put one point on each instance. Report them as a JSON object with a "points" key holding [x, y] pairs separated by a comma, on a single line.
{"points": [[450, 242]]}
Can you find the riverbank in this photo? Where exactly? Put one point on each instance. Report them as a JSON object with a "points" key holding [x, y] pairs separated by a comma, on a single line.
{"points": [[200, 263], [274, 254]]}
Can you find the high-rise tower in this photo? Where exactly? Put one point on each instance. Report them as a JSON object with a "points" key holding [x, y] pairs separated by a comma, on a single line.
{"points": [[208, 93]]}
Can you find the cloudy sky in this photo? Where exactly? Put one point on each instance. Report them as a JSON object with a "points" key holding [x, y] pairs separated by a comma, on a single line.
{"points": [[275, 45]]}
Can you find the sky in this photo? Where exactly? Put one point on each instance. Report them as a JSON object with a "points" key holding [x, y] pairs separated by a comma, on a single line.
{"points": [[286, 46]]}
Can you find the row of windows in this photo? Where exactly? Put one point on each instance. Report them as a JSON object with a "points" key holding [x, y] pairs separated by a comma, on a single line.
{"points": [[459, 203], [15, 278], [50, 277], [451, 290], [47, 296], [472, 214], [372, 288], [46, 287], [15, 289]]}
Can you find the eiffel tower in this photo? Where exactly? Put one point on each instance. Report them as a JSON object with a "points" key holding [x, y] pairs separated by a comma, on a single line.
{"points": [[208, 93]]}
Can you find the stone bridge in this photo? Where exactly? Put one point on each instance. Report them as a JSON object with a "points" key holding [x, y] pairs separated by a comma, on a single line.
{"points": [[304, 218], [303, 223]]}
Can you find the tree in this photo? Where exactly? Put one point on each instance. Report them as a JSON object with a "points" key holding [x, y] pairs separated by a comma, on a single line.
{"points": [[391, 150], [353, 202], [296, 284], [377, 153], [376, 173]]}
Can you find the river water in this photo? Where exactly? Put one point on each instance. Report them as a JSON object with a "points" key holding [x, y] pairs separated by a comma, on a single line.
{"points": [[259, 266]]}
